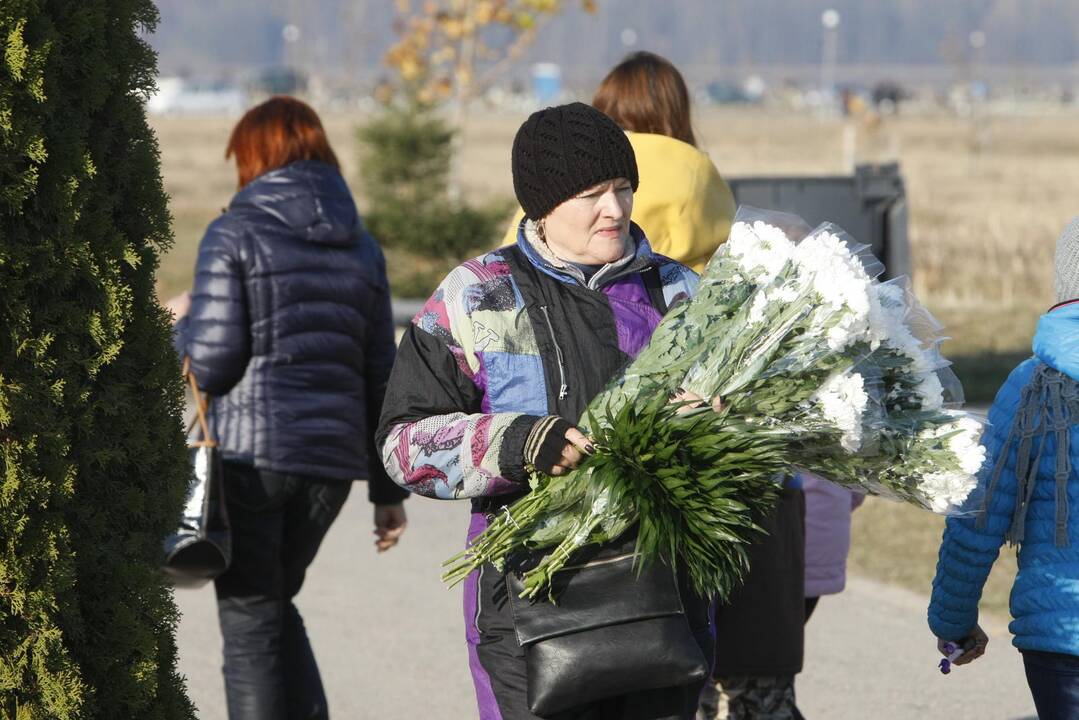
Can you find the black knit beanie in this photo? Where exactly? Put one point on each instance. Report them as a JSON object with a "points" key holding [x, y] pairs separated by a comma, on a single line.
{"points": [[560, 151]]}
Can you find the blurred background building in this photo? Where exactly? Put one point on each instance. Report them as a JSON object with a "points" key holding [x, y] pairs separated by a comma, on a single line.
{"points": [[796, 52]]}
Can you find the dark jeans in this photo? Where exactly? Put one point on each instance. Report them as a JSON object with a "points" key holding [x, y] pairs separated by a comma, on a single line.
{"points": [[278, 522], [1054, 682]]}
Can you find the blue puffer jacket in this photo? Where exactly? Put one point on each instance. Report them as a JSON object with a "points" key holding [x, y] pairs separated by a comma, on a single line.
{"points": [[1045, 596], [290, 329]]}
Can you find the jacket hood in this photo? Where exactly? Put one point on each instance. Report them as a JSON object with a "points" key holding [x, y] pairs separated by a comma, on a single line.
{"points": [[683, 203], [671, 149], [1056, 341], [309, 197]]}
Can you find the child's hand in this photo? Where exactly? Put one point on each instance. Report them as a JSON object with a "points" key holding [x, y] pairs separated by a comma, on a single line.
{"points": [[973, 644]]}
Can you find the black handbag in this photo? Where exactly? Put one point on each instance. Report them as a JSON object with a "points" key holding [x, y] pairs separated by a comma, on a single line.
{"points": [[201, 548], [615, 629]]}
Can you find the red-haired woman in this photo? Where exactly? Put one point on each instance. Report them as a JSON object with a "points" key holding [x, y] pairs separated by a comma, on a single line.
{"points": [[288, 328]]}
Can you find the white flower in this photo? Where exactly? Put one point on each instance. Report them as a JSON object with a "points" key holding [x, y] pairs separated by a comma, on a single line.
{"points": [[930, 391], [839, 279], [888, 325], [757, 307], [966, 443], [837, 274], [948, 489], [784, 294], [760, 249], [945, 490], [843, 400]]}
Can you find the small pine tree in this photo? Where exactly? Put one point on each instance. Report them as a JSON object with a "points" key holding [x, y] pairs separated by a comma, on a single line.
{"points": [[92, 462], [405, 163]]}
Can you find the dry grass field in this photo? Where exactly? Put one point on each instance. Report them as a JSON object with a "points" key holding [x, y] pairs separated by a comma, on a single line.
{"points": [[982, 228], [987, 203]]}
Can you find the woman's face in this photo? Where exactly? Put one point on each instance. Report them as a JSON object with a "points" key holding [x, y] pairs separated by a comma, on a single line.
{"points": [[593, 226]]}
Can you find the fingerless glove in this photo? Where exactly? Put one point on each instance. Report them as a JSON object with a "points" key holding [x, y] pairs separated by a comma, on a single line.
{"points": [[543, 448]]}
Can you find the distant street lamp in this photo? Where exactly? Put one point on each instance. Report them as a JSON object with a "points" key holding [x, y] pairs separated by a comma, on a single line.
{"points": [[979, 88], [291, 34], [829, 20]]}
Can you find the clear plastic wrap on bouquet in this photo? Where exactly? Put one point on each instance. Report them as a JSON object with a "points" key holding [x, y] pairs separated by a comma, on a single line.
{"points": [[918, 333]]}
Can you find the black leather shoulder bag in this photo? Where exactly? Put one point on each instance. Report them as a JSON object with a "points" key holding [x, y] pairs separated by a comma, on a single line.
{"points": [[615, 630]]}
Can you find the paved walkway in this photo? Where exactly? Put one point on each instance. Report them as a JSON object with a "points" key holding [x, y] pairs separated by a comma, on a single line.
{"points": [[389, 638]]}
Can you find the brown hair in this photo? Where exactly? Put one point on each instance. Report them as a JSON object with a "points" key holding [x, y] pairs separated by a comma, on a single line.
{"points": [[275, 133], [646, 93]]}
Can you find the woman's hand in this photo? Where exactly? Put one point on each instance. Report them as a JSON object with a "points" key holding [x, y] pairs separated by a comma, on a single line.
{"points": [[555, 447], [179, 306], [390, 523], [692, 401], [576, 448], [977, 640]]}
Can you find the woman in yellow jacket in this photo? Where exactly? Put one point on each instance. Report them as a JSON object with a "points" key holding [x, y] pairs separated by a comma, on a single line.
{"points": [[683, 204]]}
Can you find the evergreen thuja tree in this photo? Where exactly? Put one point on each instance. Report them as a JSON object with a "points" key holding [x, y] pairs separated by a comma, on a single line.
{"points": [[92, 465], [406, 156]]}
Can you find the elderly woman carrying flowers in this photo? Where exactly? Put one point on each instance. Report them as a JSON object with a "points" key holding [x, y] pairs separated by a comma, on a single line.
{"points": [[504, 358]]}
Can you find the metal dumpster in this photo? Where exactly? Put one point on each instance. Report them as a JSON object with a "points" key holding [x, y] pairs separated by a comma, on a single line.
{"points": [[871, 205]]}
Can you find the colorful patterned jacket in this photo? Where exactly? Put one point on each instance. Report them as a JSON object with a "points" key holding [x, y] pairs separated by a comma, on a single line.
{"points": [[506, 339]]}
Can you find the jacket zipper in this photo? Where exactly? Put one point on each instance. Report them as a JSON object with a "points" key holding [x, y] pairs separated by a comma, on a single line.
{"points": [[562, 391], [479, 600]]}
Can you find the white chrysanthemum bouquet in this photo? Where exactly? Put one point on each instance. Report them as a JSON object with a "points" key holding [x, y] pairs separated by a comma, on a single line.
{"points": [[812, 363]]}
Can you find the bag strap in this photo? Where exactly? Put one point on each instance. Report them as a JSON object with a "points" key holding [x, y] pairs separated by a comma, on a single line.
{"points": [[202, 402]]}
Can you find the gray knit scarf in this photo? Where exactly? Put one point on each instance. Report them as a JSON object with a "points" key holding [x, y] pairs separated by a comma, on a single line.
{"points": [[535, 239], [1046, 406]]}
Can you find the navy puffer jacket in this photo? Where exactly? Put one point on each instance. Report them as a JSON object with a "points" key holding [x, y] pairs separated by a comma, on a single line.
{"points": [[290, 329]]}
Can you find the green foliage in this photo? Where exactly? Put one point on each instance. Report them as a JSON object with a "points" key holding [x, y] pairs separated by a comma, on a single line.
{"points": [[695, 482], [406, 162], [698, 483], [92, 465]]}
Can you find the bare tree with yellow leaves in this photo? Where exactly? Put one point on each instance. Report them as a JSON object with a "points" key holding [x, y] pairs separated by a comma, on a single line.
{"points": [[441, 44], [445, 52]]}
